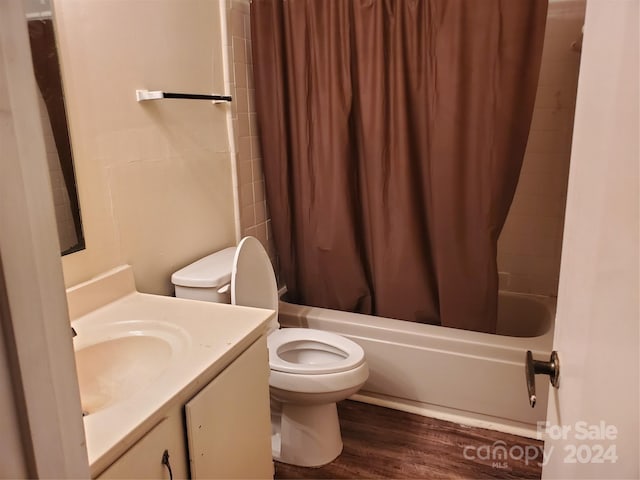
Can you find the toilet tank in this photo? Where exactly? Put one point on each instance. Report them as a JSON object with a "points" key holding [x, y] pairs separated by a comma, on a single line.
{"points": [[207, 279]]}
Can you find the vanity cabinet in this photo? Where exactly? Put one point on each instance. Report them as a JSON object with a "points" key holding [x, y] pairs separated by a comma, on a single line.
{"points": [[224, 431], [144, 459], [228, 422]]}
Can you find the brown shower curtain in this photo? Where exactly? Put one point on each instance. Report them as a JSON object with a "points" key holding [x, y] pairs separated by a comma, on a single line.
{"points": [[392, 135]]}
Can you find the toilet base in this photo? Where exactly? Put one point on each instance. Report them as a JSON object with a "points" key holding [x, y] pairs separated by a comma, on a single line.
{"points": [[306, 435]]}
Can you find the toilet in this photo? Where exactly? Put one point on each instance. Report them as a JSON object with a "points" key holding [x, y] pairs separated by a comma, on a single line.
{"points": [[311, 370]]}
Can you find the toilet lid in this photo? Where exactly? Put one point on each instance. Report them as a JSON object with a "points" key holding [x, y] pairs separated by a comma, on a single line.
{"points": [[253, 283], [291, 340]]}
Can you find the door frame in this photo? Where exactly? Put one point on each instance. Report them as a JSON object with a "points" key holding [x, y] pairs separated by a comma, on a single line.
{"points": [[35, 321]]}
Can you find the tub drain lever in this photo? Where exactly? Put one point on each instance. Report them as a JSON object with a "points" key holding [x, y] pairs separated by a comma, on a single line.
{"points": [[535, 367]]}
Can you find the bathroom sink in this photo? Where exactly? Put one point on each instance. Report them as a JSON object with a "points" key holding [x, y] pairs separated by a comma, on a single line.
{"points": [[116, 360]]}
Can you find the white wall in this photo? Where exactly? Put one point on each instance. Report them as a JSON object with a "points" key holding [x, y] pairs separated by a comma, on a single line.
{"points": [[154, 178]]}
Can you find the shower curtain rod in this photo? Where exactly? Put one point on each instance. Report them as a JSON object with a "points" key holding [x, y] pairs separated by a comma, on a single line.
{"points": [[142, 95]]}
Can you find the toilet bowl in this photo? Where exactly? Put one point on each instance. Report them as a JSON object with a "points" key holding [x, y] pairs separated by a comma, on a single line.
{"points": [[311, 370]]}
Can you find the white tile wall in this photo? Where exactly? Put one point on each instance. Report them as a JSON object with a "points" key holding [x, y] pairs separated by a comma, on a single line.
{"points": [[64, 219], [530, 245], [254, 217]]}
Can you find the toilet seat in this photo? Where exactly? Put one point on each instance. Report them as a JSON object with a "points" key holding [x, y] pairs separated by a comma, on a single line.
{"points": [[316, 351], [300, 351], [253, 283]]}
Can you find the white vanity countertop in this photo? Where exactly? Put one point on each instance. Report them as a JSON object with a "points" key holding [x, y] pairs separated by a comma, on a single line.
{"points": [[209, 337]]}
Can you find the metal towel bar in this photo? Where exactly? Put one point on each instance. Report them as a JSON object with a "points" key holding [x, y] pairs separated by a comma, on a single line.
{"points": [[142, 95]]}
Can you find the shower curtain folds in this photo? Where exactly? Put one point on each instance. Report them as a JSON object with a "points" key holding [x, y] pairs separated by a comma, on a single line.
{"points": [[392, 136]]}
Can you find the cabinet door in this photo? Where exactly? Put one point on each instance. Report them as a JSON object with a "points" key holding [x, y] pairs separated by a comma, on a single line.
{"points": [[144, 459], [228, 422]]}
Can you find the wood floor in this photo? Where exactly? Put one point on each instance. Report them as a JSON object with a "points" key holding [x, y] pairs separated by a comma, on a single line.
{"points": [[385, 443]]}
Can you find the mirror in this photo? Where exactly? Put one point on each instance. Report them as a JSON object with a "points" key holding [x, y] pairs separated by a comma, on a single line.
{"points": [[54, 124]]}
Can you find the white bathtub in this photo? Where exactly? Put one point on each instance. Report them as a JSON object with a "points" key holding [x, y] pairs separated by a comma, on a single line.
{"points": [[468, 377]]}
